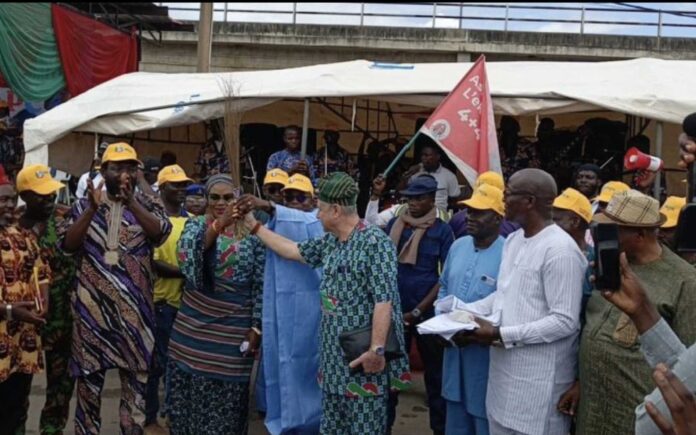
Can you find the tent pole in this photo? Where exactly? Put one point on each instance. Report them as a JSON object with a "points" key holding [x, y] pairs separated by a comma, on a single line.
{"points": [[658, 153], [205, 37], [305, 128]]}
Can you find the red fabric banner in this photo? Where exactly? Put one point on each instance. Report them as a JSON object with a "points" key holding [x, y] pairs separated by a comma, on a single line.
{"points": [[91, 52], [464, 127]]}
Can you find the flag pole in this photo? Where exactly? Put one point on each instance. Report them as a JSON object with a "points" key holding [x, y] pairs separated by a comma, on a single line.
{"points": [[398, 157]]}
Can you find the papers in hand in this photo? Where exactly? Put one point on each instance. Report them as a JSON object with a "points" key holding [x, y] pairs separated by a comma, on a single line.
{"points": [[456, 316]]}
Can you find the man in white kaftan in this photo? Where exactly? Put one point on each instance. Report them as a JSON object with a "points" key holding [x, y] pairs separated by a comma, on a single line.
{"points": [[534, 354]]}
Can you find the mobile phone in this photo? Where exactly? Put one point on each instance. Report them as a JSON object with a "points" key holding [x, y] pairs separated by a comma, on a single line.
{"points": [[685, 239], [607, 267]]}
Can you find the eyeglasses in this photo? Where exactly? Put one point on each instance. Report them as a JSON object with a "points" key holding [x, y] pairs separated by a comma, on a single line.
{"points": [[300, 197], [214, 197]]}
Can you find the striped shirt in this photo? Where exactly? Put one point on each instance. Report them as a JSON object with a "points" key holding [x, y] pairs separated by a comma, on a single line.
{"points": [[113, 312], [222, 299], [539, 293]]}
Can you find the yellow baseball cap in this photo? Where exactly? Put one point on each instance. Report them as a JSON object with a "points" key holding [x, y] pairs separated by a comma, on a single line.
{"points": [[610, 189], [301, 183], [172, 174], [38, 179], [491, 178], [671, 208], [486, 197], [276, 176], [119, 152], [572, 200]]}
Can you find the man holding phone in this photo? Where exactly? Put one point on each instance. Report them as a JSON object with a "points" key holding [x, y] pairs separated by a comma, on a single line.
{"points": [[613, 375]]}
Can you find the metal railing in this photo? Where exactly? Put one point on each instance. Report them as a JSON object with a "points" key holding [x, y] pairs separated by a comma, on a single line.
{"points": [[540, 17]]}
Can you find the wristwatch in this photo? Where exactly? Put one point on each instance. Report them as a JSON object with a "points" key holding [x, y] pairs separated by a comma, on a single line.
{"points": [[379, 350], [416, 313]]}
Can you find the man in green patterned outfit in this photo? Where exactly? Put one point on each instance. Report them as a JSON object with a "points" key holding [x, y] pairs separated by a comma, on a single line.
{"points": [[38, 190], [358, 288]]}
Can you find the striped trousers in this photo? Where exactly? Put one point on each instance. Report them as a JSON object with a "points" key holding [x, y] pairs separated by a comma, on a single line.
{"points": [[131, 408]]}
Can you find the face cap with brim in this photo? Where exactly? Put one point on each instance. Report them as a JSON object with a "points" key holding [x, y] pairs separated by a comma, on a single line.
{"points": [[301, 183], [277, 176], [486, 197], [572, 200], [172, 174], [632, 209], [120, 152], [37, 179], [671, 208], [420, 186], [610, 189], [195, 190]]}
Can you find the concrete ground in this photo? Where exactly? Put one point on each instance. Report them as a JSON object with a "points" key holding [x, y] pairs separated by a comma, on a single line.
{"points": [[412, 413]]}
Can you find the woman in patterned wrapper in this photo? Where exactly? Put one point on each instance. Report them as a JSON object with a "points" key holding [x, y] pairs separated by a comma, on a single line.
{"points": [[218, 327], [23, 308]]}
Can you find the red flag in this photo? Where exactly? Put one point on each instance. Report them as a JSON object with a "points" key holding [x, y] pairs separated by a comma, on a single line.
{"points": [[464, 127]]}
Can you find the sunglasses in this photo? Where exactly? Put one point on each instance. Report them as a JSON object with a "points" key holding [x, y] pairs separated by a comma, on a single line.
{"points": [[274, 190], [214, 197], [300, 197]]}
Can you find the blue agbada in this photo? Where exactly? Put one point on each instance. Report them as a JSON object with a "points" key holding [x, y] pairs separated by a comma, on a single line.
{"points": [[291, 319], [470, 274]]}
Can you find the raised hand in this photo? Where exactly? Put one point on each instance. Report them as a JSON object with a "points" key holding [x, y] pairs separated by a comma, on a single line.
{"points": [[687, 150], [680, 401], [378, 185], [94, 194], [126, 192]]}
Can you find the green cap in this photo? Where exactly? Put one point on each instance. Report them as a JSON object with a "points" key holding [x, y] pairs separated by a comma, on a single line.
{"points": [[338, 188]]}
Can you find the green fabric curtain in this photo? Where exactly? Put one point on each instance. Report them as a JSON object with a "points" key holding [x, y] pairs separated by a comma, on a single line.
{"points": [[29, 58]]}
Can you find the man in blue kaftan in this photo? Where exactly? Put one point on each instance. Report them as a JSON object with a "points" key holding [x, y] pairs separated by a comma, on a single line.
{"points": [[470, 274]]}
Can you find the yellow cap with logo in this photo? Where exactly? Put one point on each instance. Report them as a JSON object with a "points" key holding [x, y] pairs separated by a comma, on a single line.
{"points": [[572, 200], [119, 152], [172, 174], [486, 197], [492, 178], [276, 176], [610, 189], [301, 183], [671, 208], [38, 179]]}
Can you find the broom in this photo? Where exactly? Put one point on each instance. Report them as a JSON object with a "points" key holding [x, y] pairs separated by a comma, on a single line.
{"points": [[232, 118]]}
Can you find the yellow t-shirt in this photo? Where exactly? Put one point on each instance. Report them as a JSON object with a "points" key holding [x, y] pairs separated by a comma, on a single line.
{"points": [[169, 289]]}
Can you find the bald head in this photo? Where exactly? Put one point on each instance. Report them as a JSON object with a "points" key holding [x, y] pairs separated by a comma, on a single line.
{"points": [[529, 196], [535, 181]]}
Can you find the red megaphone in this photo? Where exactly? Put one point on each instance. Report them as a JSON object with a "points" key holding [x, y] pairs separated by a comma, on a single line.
{"points": [[636, 160]]}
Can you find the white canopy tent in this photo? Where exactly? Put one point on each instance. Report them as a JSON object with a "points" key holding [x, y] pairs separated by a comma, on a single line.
{"points": [[649, 88]]}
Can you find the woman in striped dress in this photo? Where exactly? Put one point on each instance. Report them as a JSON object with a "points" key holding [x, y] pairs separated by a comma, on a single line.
{"points": [[220, 309]]}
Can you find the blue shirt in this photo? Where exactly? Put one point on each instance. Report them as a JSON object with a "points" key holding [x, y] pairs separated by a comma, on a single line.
{"points": [[416, 281], [470, 274], [286, 160]]}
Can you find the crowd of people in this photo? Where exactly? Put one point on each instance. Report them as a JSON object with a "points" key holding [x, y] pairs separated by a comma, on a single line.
{"points": [[187, 285]]}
